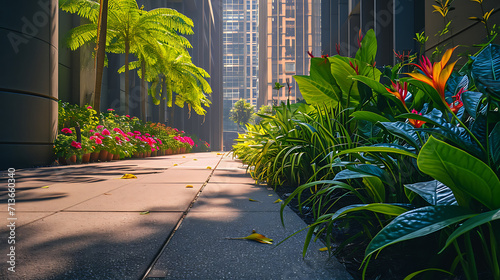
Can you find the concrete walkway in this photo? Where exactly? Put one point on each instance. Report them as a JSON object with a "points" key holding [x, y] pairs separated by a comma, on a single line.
{"points": [[83, 222]]}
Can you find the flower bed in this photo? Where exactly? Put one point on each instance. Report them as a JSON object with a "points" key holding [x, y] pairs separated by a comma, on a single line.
{"points": [[86, 136]]}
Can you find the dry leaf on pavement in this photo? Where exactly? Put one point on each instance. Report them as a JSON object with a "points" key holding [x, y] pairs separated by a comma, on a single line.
{"points": [[128, 176], [256, 237]]}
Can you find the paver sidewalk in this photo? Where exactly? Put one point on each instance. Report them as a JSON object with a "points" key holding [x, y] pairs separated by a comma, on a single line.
{"points": [[88, 225]]}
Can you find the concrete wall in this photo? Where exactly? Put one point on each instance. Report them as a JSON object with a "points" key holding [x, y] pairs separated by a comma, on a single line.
{"points": [[28, 82]]}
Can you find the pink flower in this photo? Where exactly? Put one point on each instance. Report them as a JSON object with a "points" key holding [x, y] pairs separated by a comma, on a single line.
{"points": [[117, 116], [116, 129], [98, 141], [92, 131], [105, 132], [89, 107], [152, 149], [66, 130], [100, 126], [76, 145], [137, 132], [182, 131], [147, 134], [130, 133], [128, 116], [110, 110], [92, 137]]}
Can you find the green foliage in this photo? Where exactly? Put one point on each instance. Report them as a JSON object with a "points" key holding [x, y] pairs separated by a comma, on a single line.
{"points": [[241, 112]]}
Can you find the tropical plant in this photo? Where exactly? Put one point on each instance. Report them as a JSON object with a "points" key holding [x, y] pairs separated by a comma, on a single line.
{"points": [[130, 29], [241, 112]]}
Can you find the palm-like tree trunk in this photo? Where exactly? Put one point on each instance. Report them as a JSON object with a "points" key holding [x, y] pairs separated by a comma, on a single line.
{"points": [[101, 48], [143, 91], [162, 100], [127, 82]]}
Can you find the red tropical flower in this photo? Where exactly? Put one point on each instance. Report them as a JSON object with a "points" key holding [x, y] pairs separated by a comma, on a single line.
{"points": [[400, 91], [416, 123]]}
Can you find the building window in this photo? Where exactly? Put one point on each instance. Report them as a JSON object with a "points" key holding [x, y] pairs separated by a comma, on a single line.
{"points": [[290, 28], [289, 67]]}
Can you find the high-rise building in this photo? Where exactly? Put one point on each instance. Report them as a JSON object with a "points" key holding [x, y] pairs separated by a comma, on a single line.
{"points": [[288, 29], [240, 58]]}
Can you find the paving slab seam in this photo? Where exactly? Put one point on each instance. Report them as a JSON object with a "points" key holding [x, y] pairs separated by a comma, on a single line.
{"points": [[62, 210], [183, 216]]}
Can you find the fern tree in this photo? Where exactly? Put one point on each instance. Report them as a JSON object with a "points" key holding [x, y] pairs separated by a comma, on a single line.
{"points": [[129, 29], [175, 79]]}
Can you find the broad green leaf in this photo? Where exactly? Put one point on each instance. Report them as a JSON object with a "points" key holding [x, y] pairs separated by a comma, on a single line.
{"points": [[375, 186], [464, 174], [434, 192], [471, 223], [372, 170], [432, 93], [368, 50], [369, 116], [317, 91], [471, 100], [495, 144], [417, 223], [320, 69], [349, 174], [404, 131], [383, 208], [375, 149], [486, 70], [341, 71]]}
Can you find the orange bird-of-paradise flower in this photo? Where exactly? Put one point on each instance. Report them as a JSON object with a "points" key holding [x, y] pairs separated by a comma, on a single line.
{"points": [[416, 123], [400, 91], [436, 75]]}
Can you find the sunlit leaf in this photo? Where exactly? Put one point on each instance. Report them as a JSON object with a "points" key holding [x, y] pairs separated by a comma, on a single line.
{"points": [[194, 159], [128, 176], [175, 164], [144, 213], [189, 186], [278, 201], [208, 167], [323, 249], [253, 200], [256, 237], [45, 187]]}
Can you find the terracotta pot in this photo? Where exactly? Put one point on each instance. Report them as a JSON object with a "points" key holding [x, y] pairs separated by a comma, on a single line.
{"points": [[109, 157], [86, 158], [72, 159], [94, 156], [116, 157], [103, 155]]}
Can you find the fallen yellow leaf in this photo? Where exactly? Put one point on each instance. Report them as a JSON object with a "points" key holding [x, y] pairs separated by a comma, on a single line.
{"points": [[144, 213], [323, 249], [278, 201], [270, 195], [256, 237], [189, 186], [175, 164], [253, 200], [194, 159], [45, 187], [128, 176], [183, 156], [208, 167], [220, 154]]}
